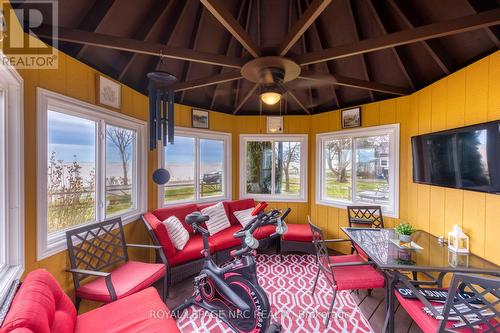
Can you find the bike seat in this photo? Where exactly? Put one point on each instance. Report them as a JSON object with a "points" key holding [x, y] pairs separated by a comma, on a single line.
{"points": [[196, 218]]}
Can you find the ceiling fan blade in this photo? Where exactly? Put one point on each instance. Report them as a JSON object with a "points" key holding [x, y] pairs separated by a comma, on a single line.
{"points": [[302, 83]]}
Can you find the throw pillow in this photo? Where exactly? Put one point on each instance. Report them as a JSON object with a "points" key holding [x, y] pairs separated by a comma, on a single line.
{"points": [[218, 219], [244, 216], [176, 231]]}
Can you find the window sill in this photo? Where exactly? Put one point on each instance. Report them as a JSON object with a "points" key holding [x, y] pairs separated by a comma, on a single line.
{"points": [[343, 205], [56, 242], [210, 200], [273, 198], [7, 277]]}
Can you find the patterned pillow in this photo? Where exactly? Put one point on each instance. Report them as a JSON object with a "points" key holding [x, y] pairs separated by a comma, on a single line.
{"points": [[244, 216], [176, 231], [218, 218]]}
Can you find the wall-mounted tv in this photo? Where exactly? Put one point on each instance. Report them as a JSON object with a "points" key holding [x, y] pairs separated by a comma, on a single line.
{"points": [[466, 158]]}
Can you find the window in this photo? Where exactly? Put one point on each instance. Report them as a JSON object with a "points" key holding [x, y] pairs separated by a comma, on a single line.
{"points": [[199, 166], [359, 167], [11, 178], [273, 167], [91, 167]]}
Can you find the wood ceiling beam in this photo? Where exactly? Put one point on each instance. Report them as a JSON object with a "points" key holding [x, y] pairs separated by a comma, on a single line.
{"points": [[195, 36], [207, 81], [139, 46], [231, 44], [249, 14], [352, 82], [320, 35], [434, 30], [304, 51], [399, 58], [245, 99], [437, 53], [304, 22], [148, 26], [489, 32], [292, 95], [355, 22], [92, 19], [220, 12]]}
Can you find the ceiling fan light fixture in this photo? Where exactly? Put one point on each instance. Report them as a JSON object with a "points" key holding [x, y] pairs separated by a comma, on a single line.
{"points": [[270, 97]]}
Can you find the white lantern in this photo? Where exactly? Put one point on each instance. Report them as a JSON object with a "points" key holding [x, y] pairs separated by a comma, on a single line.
{"points": [[457, 240]]}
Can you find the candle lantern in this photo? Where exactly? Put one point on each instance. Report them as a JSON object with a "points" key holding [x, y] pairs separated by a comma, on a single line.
{"points": [[458, 241]]}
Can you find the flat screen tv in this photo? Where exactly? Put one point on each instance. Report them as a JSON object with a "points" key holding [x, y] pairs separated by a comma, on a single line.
{"points": [[466, 158]]}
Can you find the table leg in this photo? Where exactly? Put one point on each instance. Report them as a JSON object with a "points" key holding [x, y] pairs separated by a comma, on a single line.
{"points": [[390, 282]]}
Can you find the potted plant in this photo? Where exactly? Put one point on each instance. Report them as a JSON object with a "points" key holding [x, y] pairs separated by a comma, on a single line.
{"points": [[405, 230]]}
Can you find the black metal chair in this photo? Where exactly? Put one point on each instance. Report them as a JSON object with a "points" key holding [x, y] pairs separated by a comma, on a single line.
{"points": [[343, 272], [478, 312], [364, 217], [99, 250]]}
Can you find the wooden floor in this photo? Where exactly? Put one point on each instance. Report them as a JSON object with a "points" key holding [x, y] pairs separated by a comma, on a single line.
{"points": [[373, 307]]}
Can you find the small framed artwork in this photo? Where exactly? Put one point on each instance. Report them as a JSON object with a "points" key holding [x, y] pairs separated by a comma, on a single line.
{"points": [[274, 124], [351, 118], [200, 119], [108, 92]]}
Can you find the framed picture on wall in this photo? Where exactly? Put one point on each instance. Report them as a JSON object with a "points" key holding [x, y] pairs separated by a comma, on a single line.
{"points": [[351, 118], [108, 92], [200, 119]]}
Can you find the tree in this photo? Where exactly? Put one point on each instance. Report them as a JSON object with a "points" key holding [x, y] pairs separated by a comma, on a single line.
{"points": [[335, 152], [122, 138], [292, 154]]}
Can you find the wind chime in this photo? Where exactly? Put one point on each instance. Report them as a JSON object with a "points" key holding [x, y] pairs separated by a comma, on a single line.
{"points": [[161, 108]]}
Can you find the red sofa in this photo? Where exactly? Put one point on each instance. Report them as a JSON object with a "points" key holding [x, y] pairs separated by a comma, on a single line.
{"points": [[189, 261], [41, 306]]}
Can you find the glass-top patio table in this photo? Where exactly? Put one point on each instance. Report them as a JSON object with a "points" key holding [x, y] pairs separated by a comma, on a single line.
{"points": [[433, 257]]}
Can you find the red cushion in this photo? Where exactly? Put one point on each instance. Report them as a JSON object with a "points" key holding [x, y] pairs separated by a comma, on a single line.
{"points": [[224, 239], [161, 233], [143, 312], [355, 277], [424, 321], [264, 232], [40, 306], [360, 252], [127, 279], [192, 251], [180, 211], [298, 233], [237, 205]]}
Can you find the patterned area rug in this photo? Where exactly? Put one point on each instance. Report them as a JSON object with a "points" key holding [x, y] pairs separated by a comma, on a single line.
{"points": [[288, 283]]}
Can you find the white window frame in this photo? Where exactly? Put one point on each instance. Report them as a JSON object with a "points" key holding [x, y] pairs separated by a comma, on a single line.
{"points": [[48, 245], [303, 139], [12, 173], [390, 210], [198, 134]]}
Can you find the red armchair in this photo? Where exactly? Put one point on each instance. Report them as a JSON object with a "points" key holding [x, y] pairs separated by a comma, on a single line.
{"points": [[41, 306]]}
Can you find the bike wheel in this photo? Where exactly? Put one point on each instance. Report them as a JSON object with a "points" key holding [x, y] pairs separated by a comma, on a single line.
{"points": [[259, 317]]}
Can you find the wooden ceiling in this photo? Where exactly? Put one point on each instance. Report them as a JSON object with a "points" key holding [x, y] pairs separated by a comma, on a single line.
{"points": [[350, 51]]}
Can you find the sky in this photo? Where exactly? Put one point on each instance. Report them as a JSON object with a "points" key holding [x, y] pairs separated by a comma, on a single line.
{"points": [[69, 136]]}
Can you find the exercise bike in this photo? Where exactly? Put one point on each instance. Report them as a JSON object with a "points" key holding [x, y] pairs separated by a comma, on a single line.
{"points": [[232, 292]]}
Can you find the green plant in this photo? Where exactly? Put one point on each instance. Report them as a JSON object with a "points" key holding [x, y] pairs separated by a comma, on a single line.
{"points": [[405, 229]]}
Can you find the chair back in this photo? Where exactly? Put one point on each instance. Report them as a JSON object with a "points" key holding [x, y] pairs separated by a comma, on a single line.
{"points": [[96, 247], [365, 216], [480, 310], [322, 255]]}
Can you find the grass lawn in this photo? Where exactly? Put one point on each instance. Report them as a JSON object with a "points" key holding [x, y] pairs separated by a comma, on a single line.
{"points": [[336, 189]]}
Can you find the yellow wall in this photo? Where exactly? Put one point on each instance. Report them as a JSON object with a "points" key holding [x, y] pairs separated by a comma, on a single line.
{"points": [[468, 96]]}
